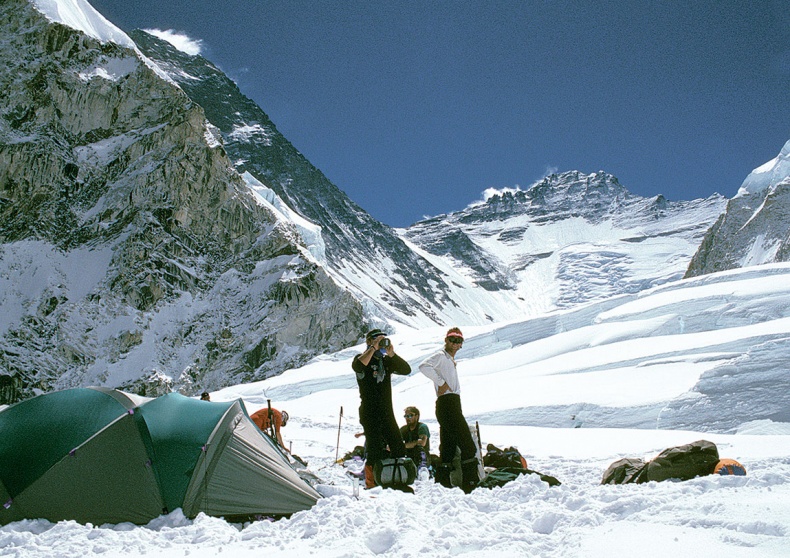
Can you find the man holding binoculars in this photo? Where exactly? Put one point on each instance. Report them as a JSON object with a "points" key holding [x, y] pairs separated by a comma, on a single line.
{"points": [[374, 369]]}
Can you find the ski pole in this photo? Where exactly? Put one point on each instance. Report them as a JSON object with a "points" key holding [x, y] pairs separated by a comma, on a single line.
{"points": [[339, 422]]}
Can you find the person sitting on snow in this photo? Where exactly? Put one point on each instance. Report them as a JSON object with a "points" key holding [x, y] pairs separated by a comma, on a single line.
{"points": [[416, 437]]}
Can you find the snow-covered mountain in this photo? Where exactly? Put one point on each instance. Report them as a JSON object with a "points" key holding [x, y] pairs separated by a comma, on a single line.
{"points": [[568, 239], [149, 241], [363, 255], [159, 233], [577, 223], [755, 228], [133, 253]]}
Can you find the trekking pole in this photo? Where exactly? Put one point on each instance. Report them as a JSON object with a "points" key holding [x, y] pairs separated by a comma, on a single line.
{"points": [[339, 422], [479, 443]]}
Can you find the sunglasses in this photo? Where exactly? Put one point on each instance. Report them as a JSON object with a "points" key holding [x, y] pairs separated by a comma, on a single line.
{"points": [[409, 416], [455, 340]]}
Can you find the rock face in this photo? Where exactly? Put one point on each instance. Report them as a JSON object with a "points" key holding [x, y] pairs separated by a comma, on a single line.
{"points": [[133, 253], [755, 228]]}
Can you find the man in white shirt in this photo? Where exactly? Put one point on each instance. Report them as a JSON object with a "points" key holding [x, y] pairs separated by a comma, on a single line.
{"points": [[453, 428]]}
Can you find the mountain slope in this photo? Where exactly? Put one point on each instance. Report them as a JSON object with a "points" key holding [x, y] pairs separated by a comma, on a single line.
{"points": [[133, 253], [219, 254], [362, 254], [482, 276], [708, 354], [755, 228], [568, 239]]}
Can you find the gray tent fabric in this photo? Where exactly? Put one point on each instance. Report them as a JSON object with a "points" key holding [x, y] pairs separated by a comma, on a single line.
{"points": [[101, 456], [224, 480]]}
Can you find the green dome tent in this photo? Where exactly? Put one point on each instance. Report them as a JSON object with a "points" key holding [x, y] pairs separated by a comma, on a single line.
{"points": [[97, 456]]}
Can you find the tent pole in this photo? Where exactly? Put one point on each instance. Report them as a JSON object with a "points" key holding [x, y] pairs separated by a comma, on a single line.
{"points": [[271, 420]]}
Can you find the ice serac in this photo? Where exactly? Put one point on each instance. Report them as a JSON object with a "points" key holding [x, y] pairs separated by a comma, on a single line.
{"points": [[755, 227], [133, 254]]}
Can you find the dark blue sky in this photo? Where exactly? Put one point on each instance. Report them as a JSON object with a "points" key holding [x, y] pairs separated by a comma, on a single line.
{"points": [[416, 108]]}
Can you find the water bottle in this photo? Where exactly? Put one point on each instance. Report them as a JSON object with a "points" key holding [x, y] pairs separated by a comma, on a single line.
{"points": [[422, 470], [356, 469]]}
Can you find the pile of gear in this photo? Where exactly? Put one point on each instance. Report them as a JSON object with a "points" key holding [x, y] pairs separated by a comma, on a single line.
{"points": [[685, 462]]}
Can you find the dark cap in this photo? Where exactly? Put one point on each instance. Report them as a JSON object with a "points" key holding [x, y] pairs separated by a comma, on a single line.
{"points": [[374, 333]]}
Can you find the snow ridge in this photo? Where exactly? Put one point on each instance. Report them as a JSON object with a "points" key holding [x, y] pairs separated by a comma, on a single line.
{"points": [[80, 15]]}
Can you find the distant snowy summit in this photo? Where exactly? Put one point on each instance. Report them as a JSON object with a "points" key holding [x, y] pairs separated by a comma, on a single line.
{"points": [[559, 196], [767, 175], [755, 228], [569, 238]]}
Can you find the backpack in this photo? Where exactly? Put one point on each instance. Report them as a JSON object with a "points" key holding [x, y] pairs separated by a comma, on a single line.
{"points": [[508, 457], [625, 471], [503, 475], [394, 472], [684, 462]]}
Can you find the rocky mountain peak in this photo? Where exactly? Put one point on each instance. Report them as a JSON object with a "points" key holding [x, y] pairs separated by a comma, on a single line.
{"points": [[584, 231], [577, 186], [755, 227], [158, 232], [768, 175], [557, 195]]}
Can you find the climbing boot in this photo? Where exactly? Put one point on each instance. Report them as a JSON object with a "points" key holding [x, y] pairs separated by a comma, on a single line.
{"points": [[471, 476], [443, 475]]}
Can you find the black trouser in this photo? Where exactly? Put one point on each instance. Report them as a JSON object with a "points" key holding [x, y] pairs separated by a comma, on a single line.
{"points": [[381, 431], [453, 429]]}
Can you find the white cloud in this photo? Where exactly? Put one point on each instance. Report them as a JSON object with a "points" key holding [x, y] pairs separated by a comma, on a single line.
{"points": [[489, 193], [549, 171], [182, 42]]}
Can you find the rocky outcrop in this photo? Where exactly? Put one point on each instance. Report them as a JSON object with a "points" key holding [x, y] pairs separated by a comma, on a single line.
{"points": [[755, 228], [134, 254]]}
